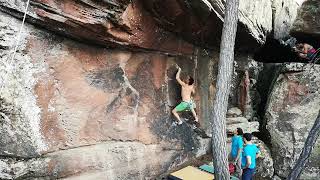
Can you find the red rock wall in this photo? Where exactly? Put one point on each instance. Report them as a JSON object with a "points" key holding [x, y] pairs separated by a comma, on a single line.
{"points": [[101, 109], [116, 23], [89, 94]]}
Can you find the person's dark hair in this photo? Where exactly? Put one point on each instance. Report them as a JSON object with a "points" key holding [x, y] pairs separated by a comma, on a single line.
{"points": [[191, 80], [247, 136], [299, 47], [240, 131]]}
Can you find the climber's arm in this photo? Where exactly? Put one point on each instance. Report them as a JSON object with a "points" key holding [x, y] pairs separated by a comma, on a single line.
{"points": [[178, 77], [302, 55]]}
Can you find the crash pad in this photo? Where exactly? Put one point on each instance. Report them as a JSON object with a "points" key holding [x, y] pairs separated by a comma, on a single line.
{"points": [[233, 178], [207, 168], [190, 173]]}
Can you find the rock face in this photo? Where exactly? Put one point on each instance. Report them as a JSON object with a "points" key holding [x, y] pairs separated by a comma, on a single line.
{"points": [[256, 17], [260, 17], [75, 110], [306, 26], [284, 14], [235, 120], [128, 23], [109, 23], [241, 122], [292, 108], [265, 164], [90, 89], [244, 92], [201, 21]]}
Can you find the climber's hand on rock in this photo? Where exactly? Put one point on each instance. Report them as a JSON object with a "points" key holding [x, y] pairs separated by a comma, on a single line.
{"points": [[177, 66]]}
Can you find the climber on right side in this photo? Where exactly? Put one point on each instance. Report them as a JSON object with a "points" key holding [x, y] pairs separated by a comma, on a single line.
{"points": [[305, 51]]}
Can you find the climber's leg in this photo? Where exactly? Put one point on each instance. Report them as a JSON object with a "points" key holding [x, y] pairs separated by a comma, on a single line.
{"points": [[194, 115], [175, 113], [181, 107]]}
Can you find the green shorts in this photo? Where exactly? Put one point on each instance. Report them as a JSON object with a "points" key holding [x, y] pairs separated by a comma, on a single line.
{"points": [[185, 106]]}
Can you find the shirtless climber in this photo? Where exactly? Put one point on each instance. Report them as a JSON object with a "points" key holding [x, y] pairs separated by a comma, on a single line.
{"points": [[306, 51], [187, 88]]}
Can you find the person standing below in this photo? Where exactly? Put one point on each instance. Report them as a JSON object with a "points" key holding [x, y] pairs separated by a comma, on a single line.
{"points": [[249, 155], [236, 150], [187, 88]]}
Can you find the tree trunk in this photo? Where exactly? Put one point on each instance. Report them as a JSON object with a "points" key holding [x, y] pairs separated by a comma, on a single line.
{"points": [[225, 70], [306, 151]]}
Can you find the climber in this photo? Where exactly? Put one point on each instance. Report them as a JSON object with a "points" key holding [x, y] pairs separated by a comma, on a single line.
{"points": [[305, 51], [187, 89], [249, 154], [236, 149]]}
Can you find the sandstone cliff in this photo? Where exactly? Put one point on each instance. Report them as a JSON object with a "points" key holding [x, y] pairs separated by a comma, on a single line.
{"points": [[90, 90]]}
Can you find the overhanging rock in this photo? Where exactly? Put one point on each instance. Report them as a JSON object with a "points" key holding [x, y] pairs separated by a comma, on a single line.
{"points": [[112, 23], [306, 27], [201, 21]]}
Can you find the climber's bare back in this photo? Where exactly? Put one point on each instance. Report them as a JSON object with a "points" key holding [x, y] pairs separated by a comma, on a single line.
{"points": [[186, 91]]}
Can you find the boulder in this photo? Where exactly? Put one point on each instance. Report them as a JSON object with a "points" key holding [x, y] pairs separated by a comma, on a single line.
{"points": [[243, 123], [284, 14], [92, 84], [244, 88], [256, 17], [260, 17], [306, 26], [134, 24], [69, 109], [5, 167], [93, 162], [116, 23], [265, 163], [275, 177], [292, 108], [234, 112], [201, 21]]}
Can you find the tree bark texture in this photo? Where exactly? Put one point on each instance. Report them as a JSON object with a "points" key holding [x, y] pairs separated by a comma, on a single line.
{"points": [[306, 151], [225, 70]]}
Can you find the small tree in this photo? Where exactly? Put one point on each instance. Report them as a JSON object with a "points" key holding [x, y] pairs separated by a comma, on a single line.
{"points": [[225, 70], [306, 151]]}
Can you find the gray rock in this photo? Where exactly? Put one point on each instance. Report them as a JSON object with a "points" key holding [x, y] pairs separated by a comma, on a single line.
{"points": [[241, 122], [307, 22], [265, 164], [292, 108], [285, 12], [5, 169], [234, 112], [256, 16], [294, 67], [19, 113], [276, 178]]}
